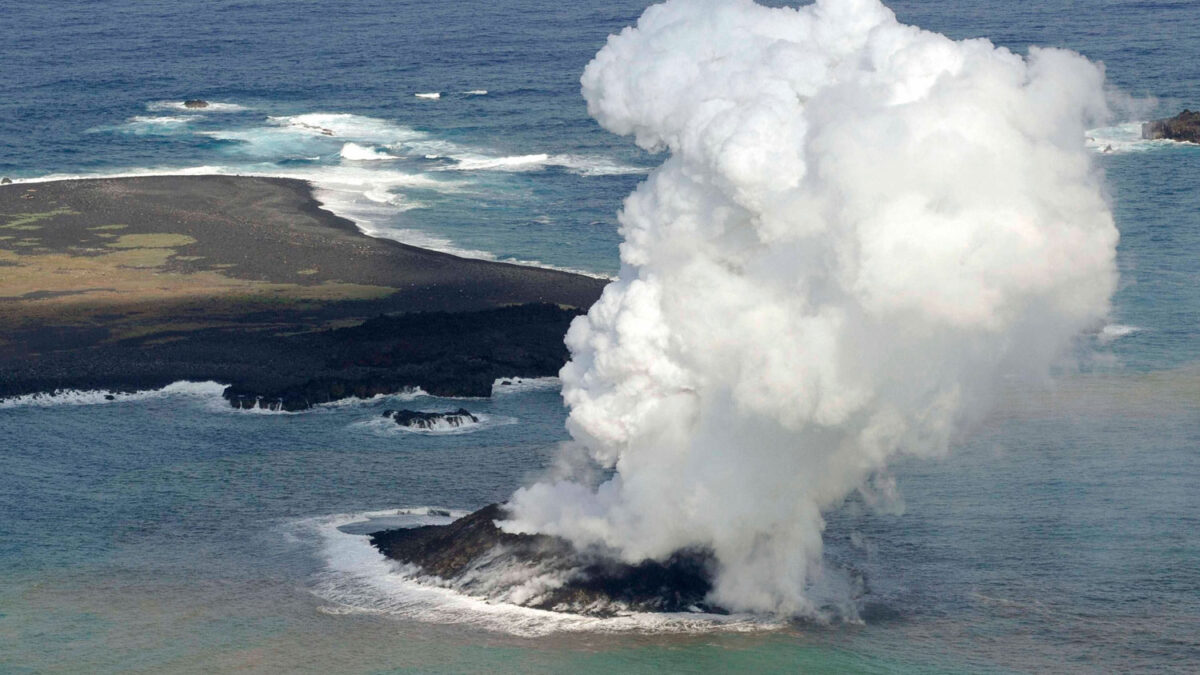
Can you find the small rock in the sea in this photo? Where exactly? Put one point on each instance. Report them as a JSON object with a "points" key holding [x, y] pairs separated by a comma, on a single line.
{"points": [[427, 420], [109, 397], [1183, 127], [5, 181], [195, 103]]}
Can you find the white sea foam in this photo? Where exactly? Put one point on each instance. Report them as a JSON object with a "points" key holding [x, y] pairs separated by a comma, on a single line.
{"points": [[385, 426], [409, 394], [163, 119], [519, 385], [152, 125], [1123, 138], [363, 153], [369, 192], [398, 202], [580, 165], [213, 106], [313, 133], [346, 125], [432, 95], [476, 92], [356, 578], [223, 406], [199, 390], [1116, 331], [510, 163]]}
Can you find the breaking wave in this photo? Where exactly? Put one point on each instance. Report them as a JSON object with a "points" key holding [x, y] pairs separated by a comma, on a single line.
{"points": [[579, 165], [520, 385], [199, 390], [363, 153]]}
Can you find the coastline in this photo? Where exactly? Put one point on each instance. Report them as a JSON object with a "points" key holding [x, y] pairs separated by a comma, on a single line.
{"points": [[124, 284]]}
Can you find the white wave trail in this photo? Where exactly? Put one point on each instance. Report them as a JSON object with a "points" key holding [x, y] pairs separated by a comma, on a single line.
{"points": [[476, 92], [510, 163], [580, 165], [363, 153], [202, 390], [862, 229], [432, 95], [162, 119]]}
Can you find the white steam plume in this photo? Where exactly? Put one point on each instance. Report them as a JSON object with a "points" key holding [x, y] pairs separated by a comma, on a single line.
{"points": [[862, 227]]}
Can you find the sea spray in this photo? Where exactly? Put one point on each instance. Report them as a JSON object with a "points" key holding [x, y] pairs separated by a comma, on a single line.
{"points": [[861, 229]]}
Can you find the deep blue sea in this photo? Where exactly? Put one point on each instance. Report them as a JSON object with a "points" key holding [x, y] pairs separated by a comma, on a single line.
{"points": [[163, 532]]}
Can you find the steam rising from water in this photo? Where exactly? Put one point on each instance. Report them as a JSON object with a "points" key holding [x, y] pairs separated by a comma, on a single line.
{"points": [[861, 229]]}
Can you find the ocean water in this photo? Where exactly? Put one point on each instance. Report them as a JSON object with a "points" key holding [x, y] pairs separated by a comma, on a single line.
{"points": [[164, 532]]}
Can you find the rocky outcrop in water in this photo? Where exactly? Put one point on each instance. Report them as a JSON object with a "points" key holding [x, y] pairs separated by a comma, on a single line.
{"points": [[474, 556], [414, 419], [195, 103], [1183, 127]]}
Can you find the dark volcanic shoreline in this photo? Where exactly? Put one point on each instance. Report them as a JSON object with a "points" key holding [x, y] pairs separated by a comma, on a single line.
{"points": [[133, 283], [474, 556]]}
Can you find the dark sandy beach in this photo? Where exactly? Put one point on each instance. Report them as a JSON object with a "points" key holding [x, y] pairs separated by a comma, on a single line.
{"points": [[132, 283]]}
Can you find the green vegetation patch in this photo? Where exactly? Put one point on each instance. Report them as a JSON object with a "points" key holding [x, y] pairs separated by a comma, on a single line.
{"points": [[155, 240], [108, 227], [23, 221], [141, 257]]}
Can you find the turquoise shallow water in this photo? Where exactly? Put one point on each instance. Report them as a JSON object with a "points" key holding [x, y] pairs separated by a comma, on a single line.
{"points": [[167, 533]]}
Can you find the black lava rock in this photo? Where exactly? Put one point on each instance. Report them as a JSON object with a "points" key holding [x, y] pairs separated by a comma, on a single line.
{"points": [[428, 420], [1183, 127], [463, 552]]}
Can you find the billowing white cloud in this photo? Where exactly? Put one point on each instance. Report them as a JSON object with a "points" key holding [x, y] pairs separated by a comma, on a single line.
{"points": [[861, 228]]}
